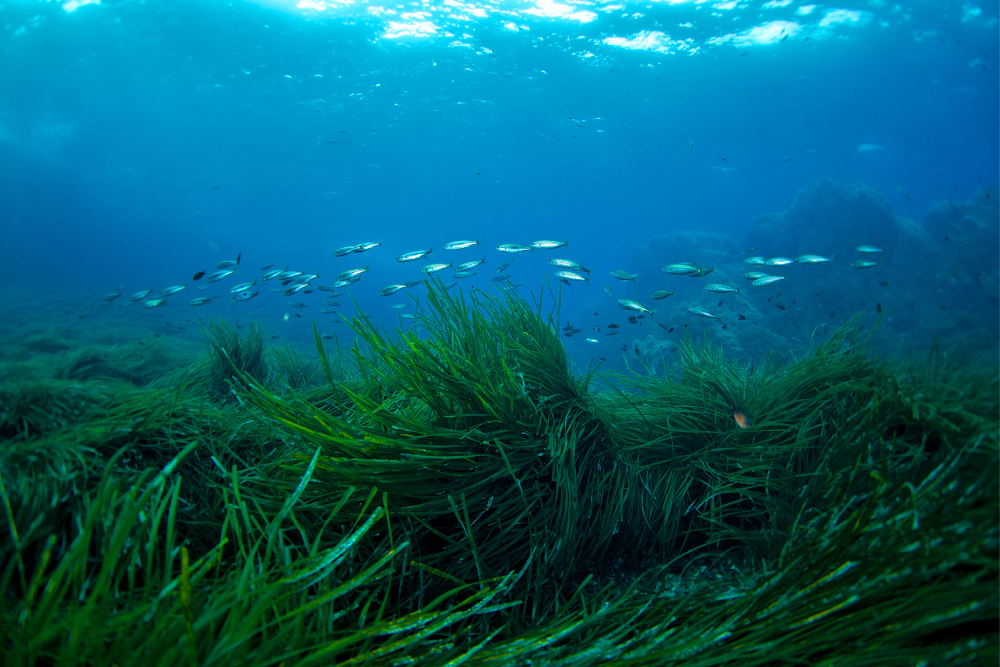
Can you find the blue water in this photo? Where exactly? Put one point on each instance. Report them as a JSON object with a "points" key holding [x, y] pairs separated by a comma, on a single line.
{"points": [[143, 141]]}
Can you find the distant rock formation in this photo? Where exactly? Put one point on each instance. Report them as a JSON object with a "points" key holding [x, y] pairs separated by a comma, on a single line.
{"points": [[939, 280]]}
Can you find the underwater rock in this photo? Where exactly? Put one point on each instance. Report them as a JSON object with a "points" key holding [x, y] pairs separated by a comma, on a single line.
{"points": [[829, 219]]}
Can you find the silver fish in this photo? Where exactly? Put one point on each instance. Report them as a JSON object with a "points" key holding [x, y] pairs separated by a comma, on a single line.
{"points": [[434, 268], [346, 250], [458, 245], [225, 264], [399, 306], [468, 266], [629, 304], [572, 275], [353, 273], [139, 295], [202, 300], [413, 283], [513, 247], [569, 264], [334, 304], [503, 267], [154, 303], [327, 311], [680, 269], [864, 264], [869, 248], [245, 296], [662, 294], [242, 287], [500, 278], [811, 259], [265, 267], [323, 288], [270, 274], [464, 274], [112, 296], [701, 312], [451, 284], [294, 289], [754, 275], [548, 245], [621, 275], [304, 278], [287, 275], [368, 245], [408, 316], [219, 275], [721, 289], [756, 261], [167, 291], [766, 280], [607, 289], [390, 290], [779, 261], [415, 255], [296, 304], [345, 283]]}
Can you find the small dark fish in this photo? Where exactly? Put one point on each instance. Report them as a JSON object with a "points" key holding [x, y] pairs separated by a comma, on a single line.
{"points": [[602, 358], [568, 326], [197, 275], [747, 250], [639, 317], [725, 326], [743, 317], [884, 283], [238, 255], [596, 313], [671, 330], [778, 295], [612, 326], [568, 334], [611, 333], [624, 347], [722, 302], [266, 267], [779, 306], [637, 350], [878, 307], [769, 299], [721, 158]]}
